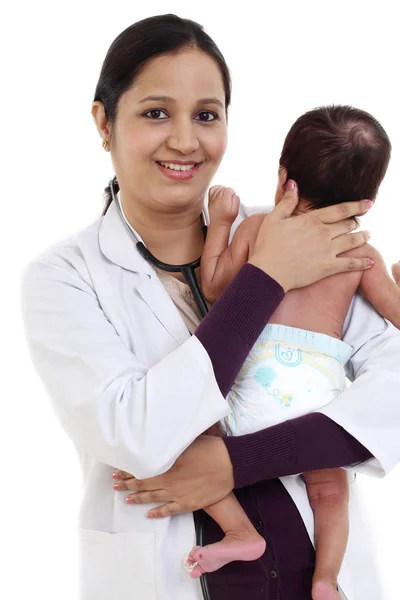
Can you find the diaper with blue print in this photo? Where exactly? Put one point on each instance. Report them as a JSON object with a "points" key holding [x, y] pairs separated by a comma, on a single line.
{"points": [[289, 372]]}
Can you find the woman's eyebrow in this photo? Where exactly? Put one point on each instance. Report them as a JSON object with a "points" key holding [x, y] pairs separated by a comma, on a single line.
{"points": [[172, 100], [157, 99], [212, 101]]}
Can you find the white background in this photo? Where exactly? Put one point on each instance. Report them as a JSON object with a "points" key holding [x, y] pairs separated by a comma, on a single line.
{"points": [[285, 58]]}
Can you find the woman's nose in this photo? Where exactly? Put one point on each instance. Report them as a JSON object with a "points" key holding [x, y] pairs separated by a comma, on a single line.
{"points": [[183, 137]]}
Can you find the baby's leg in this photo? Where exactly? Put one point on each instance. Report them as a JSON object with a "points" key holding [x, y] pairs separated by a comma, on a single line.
{"points": [[241, 541], [328, 493]]}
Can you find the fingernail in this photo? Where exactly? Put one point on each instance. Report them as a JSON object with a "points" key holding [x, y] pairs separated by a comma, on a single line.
{"points": [[358, 221], [150, 515], [369, 204], [115, 475], [116, 486], [290, 185], [129, 500], [371, 262]]}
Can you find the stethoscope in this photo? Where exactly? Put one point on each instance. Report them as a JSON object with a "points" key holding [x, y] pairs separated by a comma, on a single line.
{"points": [[188, 272], [187, 269]]}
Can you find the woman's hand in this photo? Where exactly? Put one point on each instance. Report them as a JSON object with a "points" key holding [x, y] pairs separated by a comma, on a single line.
{"points": [[298, 250], [295, 250], [201, 476]]}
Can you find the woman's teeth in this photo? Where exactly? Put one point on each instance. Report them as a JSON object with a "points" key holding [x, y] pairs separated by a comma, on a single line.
{"points": [[175, 167]]}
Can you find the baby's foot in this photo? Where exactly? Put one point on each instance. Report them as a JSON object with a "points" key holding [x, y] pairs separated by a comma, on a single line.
{"points": [[324, 590], [205, 559], [223, 205]]}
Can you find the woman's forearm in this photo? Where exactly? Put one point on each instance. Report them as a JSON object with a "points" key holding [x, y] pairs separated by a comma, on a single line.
{"points": [[230, 329], [307, 443], [299, 445]]}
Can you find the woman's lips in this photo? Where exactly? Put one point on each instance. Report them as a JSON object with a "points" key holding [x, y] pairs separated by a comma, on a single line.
{"points": [[179, 175]]}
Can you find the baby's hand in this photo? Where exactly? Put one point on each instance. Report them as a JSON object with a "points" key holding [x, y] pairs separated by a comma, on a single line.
{"points": [[220, 262]]}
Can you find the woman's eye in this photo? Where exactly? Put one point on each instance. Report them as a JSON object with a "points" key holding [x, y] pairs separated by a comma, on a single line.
{"points": [[155, 114], [204, 116]]}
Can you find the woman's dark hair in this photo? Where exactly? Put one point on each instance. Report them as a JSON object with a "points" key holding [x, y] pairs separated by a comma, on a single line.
{"points": [[135, 47], [336, 154]]}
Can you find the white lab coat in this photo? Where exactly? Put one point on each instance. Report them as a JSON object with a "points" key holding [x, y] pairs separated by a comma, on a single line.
{"points": [[132, 389]]}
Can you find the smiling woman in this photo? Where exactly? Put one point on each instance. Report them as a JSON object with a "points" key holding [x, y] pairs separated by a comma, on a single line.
{"points": [[166, 127], [135, 391], [168, 134]]}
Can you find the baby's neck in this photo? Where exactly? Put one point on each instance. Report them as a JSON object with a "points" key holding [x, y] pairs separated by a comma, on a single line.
{"points": [[302, 207]]}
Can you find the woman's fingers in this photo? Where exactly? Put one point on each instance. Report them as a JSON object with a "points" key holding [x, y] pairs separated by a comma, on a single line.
{"points": [[122, 475], [167, 510], [148, 497], [202, 475], [351, 264], [136, 485], [289, 201], [154, 496], [341, 227], [345, 210], [344, 243]]}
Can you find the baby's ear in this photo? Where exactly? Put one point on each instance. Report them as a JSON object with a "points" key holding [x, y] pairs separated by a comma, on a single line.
{"points": [[280, 188], [396, 273], [282, 174]]}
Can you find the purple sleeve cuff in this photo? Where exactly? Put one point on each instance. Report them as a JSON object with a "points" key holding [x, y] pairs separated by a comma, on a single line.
{"points": [[235, 321], [308, 443]]}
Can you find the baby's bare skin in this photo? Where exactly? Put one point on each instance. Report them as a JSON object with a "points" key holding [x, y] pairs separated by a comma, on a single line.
{"points": [[322, 306], [301, 308]]}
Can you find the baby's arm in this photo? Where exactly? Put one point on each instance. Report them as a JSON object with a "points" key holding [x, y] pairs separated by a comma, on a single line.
{"points": [[378, 286], [220, 262]]}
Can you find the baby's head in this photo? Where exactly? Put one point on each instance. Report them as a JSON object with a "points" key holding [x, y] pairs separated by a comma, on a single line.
{"points": [[336, 154]]}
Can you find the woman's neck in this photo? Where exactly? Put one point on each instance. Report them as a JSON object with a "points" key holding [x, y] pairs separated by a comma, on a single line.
{"points": [[174, 238]]}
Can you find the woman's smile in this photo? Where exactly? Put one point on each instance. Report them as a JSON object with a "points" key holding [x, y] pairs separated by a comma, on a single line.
{"points": [[178, 170]]}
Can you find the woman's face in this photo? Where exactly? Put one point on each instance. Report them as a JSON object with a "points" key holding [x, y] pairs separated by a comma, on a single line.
{"points": [[170, 133]]}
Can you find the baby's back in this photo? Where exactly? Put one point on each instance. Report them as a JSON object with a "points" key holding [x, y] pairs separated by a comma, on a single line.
{"points": [[320, 307]]}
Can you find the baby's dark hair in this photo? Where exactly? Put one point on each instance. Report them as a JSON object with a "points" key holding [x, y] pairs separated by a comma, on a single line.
{"points": [[336, 154]]}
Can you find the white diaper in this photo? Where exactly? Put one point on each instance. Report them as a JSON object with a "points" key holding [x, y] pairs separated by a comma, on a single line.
{"points": [[288, 373]]}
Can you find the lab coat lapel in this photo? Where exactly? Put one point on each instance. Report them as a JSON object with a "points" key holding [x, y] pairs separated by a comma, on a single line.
{"points": [[119, 246], [157, 298]]}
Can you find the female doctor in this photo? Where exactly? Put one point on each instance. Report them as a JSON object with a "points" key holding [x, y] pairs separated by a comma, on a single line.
{"points": [[109, 334]]}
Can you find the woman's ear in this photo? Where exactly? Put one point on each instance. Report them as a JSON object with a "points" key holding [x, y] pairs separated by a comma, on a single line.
{"points": [[100, 120]]}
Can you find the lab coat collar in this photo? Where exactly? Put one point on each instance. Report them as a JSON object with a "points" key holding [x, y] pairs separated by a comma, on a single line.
{"points": [[119, 245]]}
